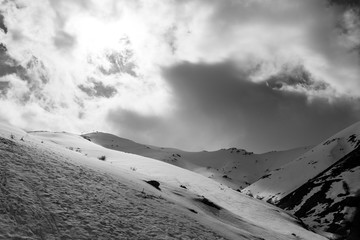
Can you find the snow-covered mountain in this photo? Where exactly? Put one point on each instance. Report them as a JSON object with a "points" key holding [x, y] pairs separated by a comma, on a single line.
{"points": [[236, 168], [320, 185], [280, 182], [329, 200], [99, 185], [61, 186]]}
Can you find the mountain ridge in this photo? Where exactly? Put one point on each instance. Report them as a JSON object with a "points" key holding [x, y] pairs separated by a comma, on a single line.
{"points": [[233, 167]]}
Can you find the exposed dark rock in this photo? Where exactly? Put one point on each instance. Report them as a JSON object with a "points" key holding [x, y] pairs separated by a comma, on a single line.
{"points": [[330, 141], [3, 48], [2, 24], [208, 202], [154, 183], [353, 139], [266, 176], [86, 137], [192, 210], [354, 229]]}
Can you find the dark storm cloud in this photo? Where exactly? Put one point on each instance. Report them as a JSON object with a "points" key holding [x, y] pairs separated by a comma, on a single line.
{"points": [[5, 69], [297, 77], [133, 120], [265, 118], [172, 131], [306, 30], [8, 65], [2, 23], [219, 107], [33, 73], [98, 89], [4, 86], [147, 129]]}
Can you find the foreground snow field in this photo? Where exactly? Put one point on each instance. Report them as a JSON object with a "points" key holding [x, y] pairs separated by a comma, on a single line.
{"points": [[44, 197], [53, 186]]}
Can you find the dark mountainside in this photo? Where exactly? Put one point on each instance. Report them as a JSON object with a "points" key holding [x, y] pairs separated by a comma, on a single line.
{"points": [[325, 201]]}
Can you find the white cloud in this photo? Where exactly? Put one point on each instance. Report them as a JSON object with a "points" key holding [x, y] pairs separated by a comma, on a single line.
{"points": [[74, 38]]}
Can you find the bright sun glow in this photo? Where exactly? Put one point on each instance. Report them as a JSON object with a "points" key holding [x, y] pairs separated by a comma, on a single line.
{"points": [[94, 35]]}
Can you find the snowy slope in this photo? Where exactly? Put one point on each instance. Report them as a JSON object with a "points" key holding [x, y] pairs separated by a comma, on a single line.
{"points": [[232, 167], [280, 182], [330, 200], [54, 186]]}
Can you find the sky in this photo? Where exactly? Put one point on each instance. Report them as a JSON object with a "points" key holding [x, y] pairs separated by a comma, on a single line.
{"points": [[197, 75]]}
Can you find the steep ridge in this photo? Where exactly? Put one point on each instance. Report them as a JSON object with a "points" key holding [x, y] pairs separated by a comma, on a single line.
{"points": [[282, 181], [233, 167], [330, 200]]}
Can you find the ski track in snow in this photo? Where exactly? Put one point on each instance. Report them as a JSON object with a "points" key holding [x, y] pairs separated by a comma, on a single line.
{"points": [[44, 196]]}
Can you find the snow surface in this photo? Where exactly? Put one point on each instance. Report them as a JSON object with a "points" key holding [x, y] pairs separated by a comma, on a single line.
{"points": [[54, 186], [232, 167]]}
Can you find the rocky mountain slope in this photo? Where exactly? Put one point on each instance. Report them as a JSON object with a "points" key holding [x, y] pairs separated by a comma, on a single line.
{"points": [[330, 200], [282, 181], [321, 187]]}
